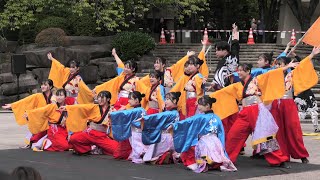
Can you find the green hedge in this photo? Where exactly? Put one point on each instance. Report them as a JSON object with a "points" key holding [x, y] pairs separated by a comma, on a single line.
{"points": [[131, 45]]}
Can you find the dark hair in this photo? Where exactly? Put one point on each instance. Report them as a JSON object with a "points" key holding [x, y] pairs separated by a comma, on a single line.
{"points": [[161, 60], [25, 173], [49, 81], [206, 100], [61, 91], [246, 67], [267, 57], [105, 94], [74, 62], [136, 95], [155, 74], [173, 96], [132, 65], [194, 60], [283, 59], [223, 45]]}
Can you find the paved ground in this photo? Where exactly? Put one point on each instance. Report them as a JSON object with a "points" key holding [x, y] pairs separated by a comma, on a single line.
{"points": [[67, 166]]}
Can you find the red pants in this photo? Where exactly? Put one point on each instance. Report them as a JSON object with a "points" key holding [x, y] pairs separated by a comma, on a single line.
{"points": [[239, 132], [289, 135], [228, 122], [188, 157], [36, 137], [58, 136], [191, 107], [82, 142], [122, 150], [122, 101], [152, 111]]}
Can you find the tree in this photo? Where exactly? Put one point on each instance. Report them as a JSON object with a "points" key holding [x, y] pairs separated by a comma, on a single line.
{"points": [[302, 13], [269, 14]]}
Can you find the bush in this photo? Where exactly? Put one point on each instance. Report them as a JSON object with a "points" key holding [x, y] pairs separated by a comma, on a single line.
{"points": [[52, 37], [131, 45], [52, 22]]}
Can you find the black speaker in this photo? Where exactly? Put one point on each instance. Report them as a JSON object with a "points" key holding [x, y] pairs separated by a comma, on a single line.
{"points": [[18, 64]]}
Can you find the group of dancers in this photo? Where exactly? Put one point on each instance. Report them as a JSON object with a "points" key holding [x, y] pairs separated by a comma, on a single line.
{"points": [[165, 117]]}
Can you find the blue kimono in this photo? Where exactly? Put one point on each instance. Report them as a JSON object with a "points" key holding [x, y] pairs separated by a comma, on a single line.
{"points": [[187, 132], [121, 122], [154, 124], [254, 73]]}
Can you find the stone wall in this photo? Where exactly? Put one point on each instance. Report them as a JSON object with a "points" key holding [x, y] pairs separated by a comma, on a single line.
{"points": [[93, 53]]}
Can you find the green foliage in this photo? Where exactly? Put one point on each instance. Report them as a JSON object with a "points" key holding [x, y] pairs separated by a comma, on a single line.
{"points": [[82, 25], [27, 34], [52, 22], [52, 37], [131, 45]]}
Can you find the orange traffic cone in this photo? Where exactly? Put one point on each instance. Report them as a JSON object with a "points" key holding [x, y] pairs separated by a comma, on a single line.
{"points": [[172, 38], [293, 38], [205, 39], [250, 37], [162, 37]]}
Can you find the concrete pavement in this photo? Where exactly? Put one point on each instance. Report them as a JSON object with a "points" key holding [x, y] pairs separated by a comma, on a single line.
{"points": [[67, 166]]}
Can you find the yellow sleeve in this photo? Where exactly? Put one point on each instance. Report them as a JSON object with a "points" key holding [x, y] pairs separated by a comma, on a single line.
{"points": [[304, 76], [112, 86], [179, 87], [78, 116], [177, 69], [160, 99], [272, 85], [199, 90], [226, 100], [144, 89], [31, 102], [85, 95], [58, 73], [146, 80], [38, 118], [204, 70]]}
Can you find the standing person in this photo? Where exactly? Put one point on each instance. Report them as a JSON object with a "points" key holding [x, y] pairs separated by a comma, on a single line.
{"points": [[125, 127], [32, 102], [205, 134], [51, 118], [155, 95], [67, 78], [254, 27], [307, 104], [260, 28], [254, 117], [83, 137], [190, 87], [228, 63], [121, 85], [284, 110]]}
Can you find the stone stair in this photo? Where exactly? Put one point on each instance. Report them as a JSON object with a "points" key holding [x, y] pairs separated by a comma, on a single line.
{"points": [[248, 54]]}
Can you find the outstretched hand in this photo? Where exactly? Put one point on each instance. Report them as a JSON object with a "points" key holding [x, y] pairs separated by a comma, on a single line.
{"points": [[114, 52], [293, 64], [49, 55], [315, 50], [191, 53]]}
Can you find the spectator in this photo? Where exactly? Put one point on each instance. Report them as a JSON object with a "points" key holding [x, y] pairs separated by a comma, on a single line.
{"points": [[260, 28], [254, 28], [25, 173]]}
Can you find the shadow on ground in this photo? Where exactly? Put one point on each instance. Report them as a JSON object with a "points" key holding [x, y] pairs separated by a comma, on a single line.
{"points": [[65, 165]]}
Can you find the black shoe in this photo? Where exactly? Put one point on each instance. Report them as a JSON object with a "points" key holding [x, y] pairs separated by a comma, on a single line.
{"points": [[316, 130], [285, 165], [257, 156], [304, 160]]}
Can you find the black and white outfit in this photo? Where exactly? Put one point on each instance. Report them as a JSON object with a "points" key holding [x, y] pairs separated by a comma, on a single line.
{"points": [[227, 66], [307, 104]]}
